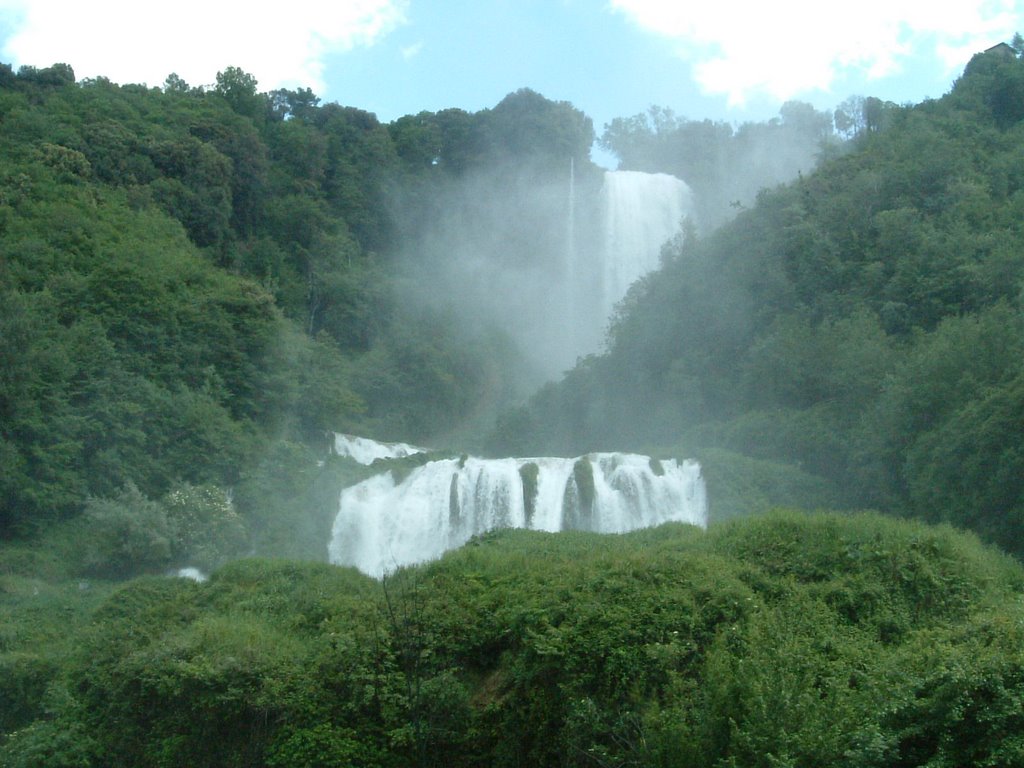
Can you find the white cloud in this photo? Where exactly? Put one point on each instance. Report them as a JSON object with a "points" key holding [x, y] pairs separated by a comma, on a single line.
{"points": [[788, 47], [411, 51], [138, 42]]}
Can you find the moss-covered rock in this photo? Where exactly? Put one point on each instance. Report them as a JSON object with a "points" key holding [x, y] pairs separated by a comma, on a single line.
{"points": [[580, 495], [528, 473]]}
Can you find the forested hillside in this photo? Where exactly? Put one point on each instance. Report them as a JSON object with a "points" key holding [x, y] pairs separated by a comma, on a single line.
{"points": [[855, 338], [198, 283]]}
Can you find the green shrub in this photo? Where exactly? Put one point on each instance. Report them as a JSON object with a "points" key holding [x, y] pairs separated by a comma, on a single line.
{"points": [[125, 535], [207, 530], [789, 639], [23, 680], [50, 744]]}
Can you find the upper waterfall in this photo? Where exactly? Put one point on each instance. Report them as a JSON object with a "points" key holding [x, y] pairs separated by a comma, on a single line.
{"points": [[635, 215], [383, 523], [545, 260], [641, 211]]}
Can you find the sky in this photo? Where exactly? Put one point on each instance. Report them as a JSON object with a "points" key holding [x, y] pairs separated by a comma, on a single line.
{"points": [[732, 60]]}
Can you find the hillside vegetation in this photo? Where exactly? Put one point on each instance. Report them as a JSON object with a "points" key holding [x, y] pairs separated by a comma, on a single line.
{"points": [[787, 640], [196, 284]]}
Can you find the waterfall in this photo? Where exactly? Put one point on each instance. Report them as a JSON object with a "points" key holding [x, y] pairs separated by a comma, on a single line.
{"points": [[641, 212], [366, 451], [544, 259], [570, 254], [635, 215], [383, 523]]}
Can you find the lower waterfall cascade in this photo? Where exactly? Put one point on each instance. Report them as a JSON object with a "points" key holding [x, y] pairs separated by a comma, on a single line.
{"points": [[383, 524]]}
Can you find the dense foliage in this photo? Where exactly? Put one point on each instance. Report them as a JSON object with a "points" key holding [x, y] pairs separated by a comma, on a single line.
{"points": [[787, 640], [860, 328], [189, 276], [725, 165]]}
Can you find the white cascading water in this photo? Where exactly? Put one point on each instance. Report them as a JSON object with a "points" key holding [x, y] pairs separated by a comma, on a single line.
{"points": [[546, 261], [641, 211], [366, 451], [383, 524], [637, 213], [191, 573]]}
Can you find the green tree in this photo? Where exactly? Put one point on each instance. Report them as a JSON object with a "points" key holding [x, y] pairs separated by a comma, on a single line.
{"points": [[238, 89]]}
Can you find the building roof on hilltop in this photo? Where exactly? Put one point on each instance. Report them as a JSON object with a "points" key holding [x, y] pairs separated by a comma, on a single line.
{"points": [[1001, 48]]}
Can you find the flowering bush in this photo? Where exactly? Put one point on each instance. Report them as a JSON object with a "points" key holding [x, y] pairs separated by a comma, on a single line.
{"points": [[206, 527]]}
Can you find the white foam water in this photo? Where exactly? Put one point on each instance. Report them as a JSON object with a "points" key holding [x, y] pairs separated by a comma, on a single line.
{"points": [[383, 524], [367, 451]]}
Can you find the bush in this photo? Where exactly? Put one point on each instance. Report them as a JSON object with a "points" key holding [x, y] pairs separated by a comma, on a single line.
{"points": [[789, 639], [207, 529], [50, 744], [125, 536]]}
